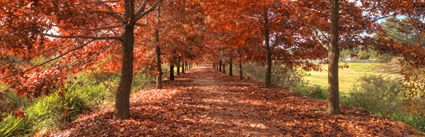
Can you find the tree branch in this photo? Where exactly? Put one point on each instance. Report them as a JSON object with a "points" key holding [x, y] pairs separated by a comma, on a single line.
{"points": [[82, 37], [53, 59], [144, 13], [112, 13], [60, 56], [142, 8], [89, 29]]}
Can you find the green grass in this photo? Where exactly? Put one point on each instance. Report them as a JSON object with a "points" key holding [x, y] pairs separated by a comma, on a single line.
{"points": [[347, 76], [83, 92]]}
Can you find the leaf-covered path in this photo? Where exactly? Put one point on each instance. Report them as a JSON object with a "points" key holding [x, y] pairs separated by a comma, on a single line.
{"points": [[204, 102]]}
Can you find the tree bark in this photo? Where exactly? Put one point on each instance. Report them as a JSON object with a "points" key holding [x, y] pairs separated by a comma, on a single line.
{"points": [[266, 31], [220, 64], [171, 71], [333, 54], [230, 67], [224, 68], [122, 97], [178, 67], [158, 51], [240, 70], [216, 66], [183, 67]]}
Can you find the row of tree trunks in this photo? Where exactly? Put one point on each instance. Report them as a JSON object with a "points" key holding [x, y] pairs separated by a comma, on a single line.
{"points": [[220, 66], [182, 67]]}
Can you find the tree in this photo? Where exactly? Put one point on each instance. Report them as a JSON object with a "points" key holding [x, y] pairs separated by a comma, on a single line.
{"points": [[333, 57], [84, 22], [158, 50], [182, 33]]}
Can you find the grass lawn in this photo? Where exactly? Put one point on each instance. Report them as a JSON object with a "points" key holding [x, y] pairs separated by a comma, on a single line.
{"points": [[347, 76]]}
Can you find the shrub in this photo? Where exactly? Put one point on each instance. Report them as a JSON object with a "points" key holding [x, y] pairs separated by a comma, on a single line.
{"points": [[10, 101], [376, 94], [84, 92], [81, 93], [282, 75], [13, 126], [93, 90], [415, 120], [142, 81], [253, 71], [44, 112], [314, 91]]}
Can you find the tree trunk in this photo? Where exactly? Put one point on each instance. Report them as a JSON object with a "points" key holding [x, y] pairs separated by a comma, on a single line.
{"points": [[230, 67], [178, 67], [122, 97], [224, 68], [216, 66], [240, 70], [158, 51], [268, 76], [183, 67], [220, 64], [333, 54], [171, 71]]}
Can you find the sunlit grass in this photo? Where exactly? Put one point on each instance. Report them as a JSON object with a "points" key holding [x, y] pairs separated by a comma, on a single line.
{"points": [[347, 76]]}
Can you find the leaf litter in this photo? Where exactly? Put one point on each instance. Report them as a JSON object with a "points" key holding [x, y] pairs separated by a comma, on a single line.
{"points": [[205, 102]]}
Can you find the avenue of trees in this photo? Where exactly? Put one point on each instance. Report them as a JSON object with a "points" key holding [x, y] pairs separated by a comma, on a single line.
{"points": [[43, 41]]}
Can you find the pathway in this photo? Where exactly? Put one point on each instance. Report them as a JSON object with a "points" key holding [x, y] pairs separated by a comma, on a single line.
{"points": [[204, 102]]}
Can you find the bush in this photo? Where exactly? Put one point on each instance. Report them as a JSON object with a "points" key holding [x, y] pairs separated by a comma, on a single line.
{"points": [[10, 101], [282, 75], [13, 126], [253, 71], [314, 91], [378, 95], [44, 113], [82, 92], [415, 120], [93, 90], [142, 81]]}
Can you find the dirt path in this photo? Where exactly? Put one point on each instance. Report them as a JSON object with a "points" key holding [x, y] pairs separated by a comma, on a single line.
{"points": [[204, 102]]}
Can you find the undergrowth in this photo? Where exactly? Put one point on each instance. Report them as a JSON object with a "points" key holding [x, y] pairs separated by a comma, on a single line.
{"points": [[82, 93]]}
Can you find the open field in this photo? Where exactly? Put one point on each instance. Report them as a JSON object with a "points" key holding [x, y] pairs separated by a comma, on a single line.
{"points": [[347, 76]]}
